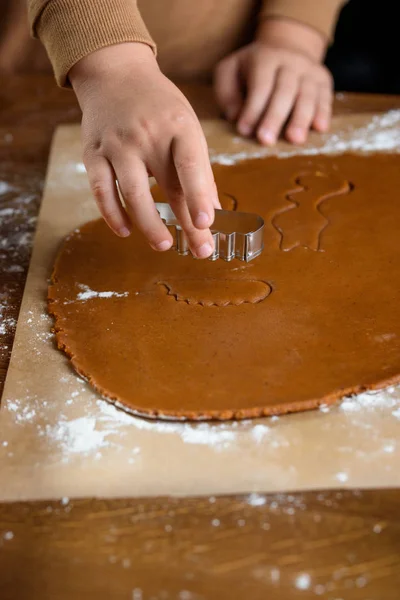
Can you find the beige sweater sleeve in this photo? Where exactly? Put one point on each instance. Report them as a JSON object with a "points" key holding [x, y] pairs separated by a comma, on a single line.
{"points": [[72, 29], [321, 15]]}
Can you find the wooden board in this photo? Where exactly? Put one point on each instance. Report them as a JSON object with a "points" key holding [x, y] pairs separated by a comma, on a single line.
{"points": [[59, 439]]}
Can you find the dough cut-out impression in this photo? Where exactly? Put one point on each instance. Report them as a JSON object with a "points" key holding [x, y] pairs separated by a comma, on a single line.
{"points": [[301, 223], [218, 292], [169, 336]]}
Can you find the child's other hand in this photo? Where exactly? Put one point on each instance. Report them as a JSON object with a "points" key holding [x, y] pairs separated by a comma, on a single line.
{"points": [[277, 82], [136, 122]]}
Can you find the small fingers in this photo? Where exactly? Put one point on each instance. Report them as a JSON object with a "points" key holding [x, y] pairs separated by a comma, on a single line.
{"points": [[195, 177], [323, 112], [102, 182], [216, 201], [200, 240], [214, 196], [134, 185], [260, 86], [303, 113], [279, 108], [228, 88]]}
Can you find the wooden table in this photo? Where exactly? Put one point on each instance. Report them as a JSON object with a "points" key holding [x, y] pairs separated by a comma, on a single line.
{"points": [[337, 545]]}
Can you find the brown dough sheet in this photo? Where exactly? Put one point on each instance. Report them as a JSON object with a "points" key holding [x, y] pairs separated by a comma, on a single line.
{"points": [[314, 318]]}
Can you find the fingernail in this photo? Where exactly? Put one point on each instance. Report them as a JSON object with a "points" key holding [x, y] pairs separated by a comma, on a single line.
{"points": [[298, 134], [266, 136], [204, 251], [202, 220], [124, 232], [244, 129], [162, 246]]}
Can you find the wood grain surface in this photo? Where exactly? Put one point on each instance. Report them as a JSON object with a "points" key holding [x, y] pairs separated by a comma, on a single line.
{"points": [[331, 545], [337, 545]]}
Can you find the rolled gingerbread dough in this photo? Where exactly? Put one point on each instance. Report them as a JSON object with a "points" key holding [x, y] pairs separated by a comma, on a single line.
{"points": [[314, 318]]}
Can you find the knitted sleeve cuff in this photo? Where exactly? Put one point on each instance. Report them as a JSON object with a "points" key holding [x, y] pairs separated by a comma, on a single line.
{"points": [[72, 29]]}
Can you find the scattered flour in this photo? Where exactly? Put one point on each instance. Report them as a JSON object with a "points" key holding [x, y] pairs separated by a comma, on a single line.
{"points": [[7, 324], [19, 201], [256, 500], [303, 581], [220, 436], [342, 477], [79, 436], [389, 447], [204, 434], [6, 212], [371, 401], [5, 188], [87, 293], [104, 426], [381, 134], [259, 432]]}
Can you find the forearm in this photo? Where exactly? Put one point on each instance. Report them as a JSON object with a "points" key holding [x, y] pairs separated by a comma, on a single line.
{"points": [[292, 35], [319, 15], [72, 29]]}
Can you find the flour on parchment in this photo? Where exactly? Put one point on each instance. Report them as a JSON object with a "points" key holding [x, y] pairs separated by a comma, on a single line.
{"points": [[381, 134], [101, 427], [103, 424]]}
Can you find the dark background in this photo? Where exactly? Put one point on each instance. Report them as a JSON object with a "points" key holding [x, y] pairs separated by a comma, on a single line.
{"points": [[363, 56]]}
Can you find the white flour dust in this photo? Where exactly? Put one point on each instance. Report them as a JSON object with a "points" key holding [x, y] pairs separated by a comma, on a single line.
{"points": [[88, 294], [303, 581], [105, 426], [369, 401], [19, 200], [5, 188], [256, 500], [7, 324], [80, 436], [381, 134]]}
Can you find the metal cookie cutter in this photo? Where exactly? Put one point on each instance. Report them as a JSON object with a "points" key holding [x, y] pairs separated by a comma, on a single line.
{"points": [[236, 234]]}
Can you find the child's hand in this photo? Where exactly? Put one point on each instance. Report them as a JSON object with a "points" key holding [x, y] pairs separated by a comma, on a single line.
{"points": [[136, 122], [277, 82]]}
